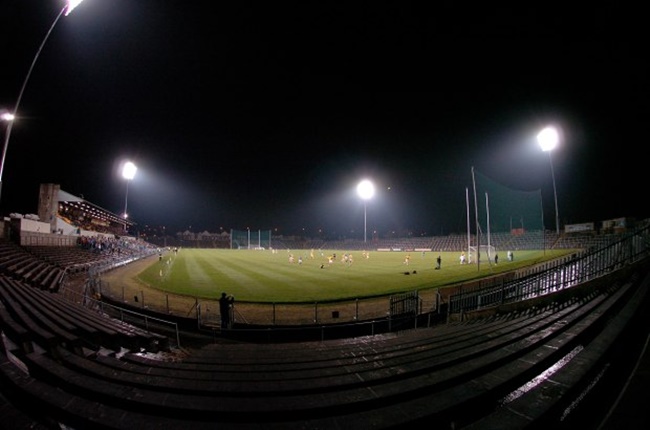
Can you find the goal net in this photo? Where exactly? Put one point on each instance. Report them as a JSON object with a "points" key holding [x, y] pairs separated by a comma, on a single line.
{"points": [[507, 209], [486, 252]]}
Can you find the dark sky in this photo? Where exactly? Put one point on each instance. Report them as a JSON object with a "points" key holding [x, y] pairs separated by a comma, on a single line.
{"points": [[266, 115]]}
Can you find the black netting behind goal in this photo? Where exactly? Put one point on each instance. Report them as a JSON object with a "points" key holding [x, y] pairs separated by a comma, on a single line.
{"points": [[508, 210]]}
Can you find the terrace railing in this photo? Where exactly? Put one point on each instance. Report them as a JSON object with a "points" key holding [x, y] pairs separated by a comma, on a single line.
{"points": [[555, 275]]}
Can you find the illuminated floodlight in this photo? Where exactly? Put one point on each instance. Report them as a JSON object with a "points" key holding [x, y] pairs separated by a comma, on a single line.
{"points": [[7, 116], [365, 190], [548, 140], [128, 172], [71, 5]]}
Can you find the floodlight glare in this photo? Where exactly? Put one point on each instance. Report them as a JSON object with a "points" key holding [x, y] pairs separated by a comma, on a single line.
{"points": [[128, 173], [71, 5], [7, 116], [548, 140], [365, 190]]}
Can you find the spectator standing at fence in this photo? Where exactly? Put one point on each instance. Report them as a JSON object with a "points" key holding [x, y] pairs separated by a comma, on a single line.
{"points": [[225, 308]]}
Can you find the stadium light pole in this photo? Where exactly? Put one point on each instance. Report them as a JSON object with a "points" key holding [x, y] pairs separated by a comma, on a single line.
{"points": [[11, 117], [365, 190], [128, 173], [548, 140]]}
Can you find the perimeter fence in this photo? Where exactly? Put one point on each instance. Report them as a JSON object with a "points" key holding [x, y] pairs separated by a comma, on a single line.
{"points": [[206, 311]]}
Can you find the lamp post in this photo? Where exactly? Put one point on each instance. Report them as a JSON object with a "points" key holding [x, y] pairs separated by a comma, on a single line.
{"points": [[548, 139], [128, 173], [365, 190], [10, 117]]}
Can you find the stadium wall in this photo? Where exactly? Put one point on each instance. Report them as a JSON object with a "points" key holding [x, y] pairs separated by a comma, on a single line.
{"points": [[48, 204]]}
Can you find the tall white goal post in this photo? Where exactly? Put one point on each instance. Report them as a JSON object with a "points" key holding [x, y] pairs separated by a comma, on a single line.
{"points": [[247, 239]]}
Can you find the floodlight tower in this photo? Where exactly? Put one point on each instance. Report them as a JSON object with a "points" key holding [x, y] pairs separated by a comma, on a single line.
{"points": [[128, 173], [11, 116], [365, 190], [548, 140]]}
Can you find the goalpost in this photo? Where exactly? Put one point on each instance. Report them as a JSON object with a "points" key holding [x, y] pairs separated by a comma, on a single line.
{"points": [[247, 239], [484, 250], [507, 214]]}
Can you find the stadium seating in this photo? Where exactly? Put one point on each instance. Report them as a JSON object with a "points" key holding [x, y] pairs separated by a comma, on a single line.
{"points": [[56, 322], [482, 373], [64, 365]]}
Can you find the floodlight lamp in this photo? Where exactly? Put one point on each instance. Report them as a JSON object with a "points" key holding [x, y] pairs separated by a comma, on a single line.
{"points": [[7, 116], [128, 171], [71, 5], [365, 189], [548, 139]]}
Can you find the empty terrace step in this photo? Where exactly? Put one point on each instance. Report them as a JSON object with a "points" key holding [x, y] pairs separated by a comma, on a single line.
{"points": [[559, 394], [353, 355], [18, 317], [366, 394], [43, 302], [15, 330], [38, 274], [71, 321], [33, 314], [77, 411], [11, 265], [25, 268], [391, 399], [50, 281]]}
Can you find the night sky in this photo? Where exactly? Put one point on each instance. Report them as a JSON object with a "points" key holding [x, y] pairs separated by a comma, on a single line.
{"points": [[266, 115]]}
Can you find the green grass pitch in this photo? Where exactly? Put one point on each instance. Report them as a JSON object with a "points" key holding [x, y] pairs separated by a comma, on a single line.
{"points": [[270, 277]]}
